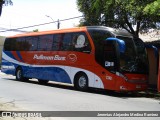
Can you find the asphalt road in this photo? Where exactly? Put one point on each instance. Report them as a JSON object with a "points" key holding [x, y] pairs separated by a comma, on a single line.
{"points": [[53, 97]]}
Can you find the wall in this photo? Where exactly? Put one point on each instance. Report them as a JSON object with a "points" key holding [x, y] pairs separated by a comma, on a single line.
{"points": [[158, 86], [1, 47], [153, 74]]}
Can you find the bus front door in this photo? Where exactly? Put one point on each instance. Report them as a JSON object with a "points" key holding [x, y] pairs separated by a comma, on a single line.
{"points": [[110, 56], [110, 61]]}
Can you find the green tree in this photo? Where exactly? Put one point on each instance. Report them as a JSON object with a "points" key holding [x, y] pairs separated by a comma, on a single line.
{"points": [[132, 15], [4, 2], [90, 16], [153, 8], [36, 30]]}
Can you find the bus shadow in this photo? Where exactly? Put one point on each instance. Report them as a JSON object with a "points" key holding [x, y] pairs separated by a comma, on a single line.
{"points": [[123, 95]]}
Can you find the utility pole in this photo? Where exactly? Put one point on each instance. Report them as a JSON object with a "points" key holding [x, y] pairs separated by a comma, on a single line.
{"points": [[58, 22]]}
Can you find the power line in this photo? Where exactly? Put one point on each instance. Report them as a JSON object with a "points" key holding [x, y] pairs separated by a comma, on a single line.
{"points": [[14, 30], [40, 24]]}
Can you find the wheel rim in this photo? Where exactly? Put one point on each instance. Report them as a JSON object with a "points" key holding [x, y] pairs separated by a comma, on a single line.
{"points": [[82, 82], [19, 73]]}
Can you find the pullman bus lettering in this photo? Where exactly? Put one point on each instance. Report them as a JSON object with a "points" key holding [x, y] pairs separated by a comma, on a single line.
{"points": [[42, 57]]}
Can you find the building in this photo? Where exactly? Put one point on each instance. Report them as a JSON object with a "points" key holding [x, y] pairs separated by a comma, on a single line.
{"points": [[152, 40], [1, 47]]}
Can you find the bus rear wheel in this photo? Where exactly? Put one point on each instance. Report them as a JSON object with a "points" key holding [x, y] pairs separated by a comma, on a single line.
{"points": [[19, 75], [81, 82]]}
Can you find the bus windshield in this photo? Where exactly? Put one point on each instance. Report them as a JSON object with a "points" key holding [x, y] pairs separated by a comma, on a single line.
{"points": [[134, 59]]}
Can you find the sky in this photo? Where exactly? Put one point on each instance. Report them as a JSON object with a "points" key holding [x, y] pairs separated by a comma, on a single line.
{"points": [[32, 12]]}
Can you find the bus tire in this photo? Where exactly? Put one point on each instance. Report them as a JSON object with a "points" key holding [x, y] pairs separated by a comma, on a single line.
{"points": [[19, 75], [81, 82], [43, 82]]}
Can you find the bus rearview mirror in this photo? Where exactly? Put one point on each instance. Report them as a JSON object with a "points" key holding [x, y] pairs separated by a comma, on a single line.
{"points": [[120, 42]]}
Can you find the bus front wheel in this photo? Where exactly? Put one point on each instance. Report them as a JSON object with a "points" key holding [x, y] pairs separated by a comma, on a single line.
{"points": [[19, 75], [81, 82]]}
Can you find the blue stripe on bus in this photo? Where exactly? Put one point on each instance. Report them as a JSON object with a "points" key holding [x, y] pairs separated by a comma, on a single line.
{"points": [[8, 53], [19, 55], [8, 67], [47, 73]]}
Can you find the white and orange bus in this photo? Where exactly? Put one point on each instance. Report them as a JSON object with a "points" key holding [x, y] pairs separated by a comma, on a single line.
{"points": [[93, 56]]}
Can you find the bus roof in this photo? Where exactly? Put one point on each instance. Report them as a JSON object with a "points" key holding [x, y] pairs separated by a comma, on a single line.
{"points": [[116, 32], [76, 29]]}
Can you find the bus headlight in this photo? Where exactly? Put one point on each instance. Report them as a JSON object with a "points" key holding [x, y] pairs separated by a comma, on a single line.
{"points": [[121, 75]]}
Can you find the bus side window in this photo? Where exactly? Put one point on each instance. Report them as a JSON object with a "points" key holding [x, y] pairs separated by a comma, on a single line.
{"points": [[28, 44], [10, 44], [31, 43], [42, 44], [81, 43], [7, 45], [57, 42], [20, 44], [49, 39], [45, 43], [67, 42]]}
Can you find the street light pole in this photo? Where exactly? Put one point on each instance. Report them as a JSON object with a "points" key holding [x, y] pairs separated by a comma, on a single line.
{"points": [[58, 22], [50, 17]]}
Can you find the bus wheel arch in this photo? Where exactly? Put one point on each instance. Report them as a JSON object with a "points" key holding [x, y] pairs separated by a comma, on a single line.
{"points": [[19, 74], [81, 81]]}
